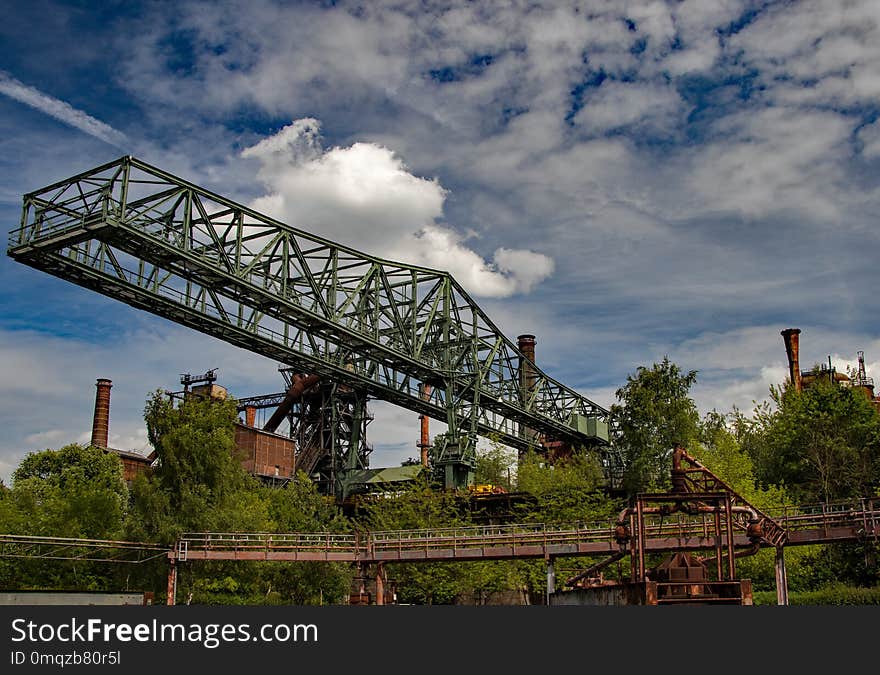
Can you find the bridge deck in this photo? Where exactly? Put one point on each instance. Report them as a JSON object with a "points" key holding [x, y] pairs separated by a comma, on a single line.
{"points": [[823, 524], [814, 525]]}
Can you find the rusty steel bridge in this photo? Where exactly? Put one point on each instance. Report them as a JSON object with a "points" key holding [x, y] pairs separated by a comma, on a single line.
{"points": [[850, 521], [820, 524]]}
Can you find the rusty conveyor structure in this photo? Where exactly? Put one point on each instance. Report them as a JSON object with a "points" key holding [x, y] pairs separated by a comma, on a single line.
{"points": [[820, 524], [851, 521], [856, 520]]}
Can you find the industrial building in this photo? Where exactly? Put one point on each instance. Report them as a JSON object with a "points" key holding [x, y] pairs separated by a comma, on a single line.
{"points": [[801, 379], [133, 463]]}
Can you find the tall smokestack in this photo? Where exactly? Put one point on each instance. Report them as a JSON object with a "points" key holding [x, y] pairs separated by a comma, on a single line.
{"points": [[424, 428], [790, 336], [528, 378], [101, 419]]}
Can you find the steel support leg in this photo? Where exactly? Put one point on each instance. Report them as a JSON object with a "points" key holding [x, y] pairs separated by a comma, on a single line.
{"points": [[551, 579], [781, 577], [380, 585], [172, 582]]}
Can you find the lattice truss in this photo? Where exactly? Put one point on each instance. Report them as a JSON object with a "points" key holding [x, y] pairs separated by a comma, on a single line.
{"points": [[140, 235], [94, 550]]}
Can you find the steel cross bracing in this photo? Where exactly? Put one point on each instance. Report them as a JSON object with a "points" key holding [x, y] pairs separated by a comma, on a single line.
{"points": [[156, 242]]}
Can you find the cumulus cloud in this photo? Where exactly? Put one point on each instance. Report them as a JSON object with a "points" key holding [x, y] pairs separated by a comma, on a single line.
{"points": [[364, 196], [60, 110]]}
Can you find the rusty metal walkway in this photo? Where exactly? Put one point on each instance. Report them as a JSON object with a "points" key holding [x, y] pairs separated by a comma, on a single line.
{"points": [[820, 524], [857, 520]]}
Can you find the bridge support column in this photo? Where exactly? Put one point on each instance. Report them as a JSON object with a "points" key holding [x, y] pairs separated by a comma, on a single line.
{"points": [[380, 584], [172, 582], [551, 579], [781, 577]]}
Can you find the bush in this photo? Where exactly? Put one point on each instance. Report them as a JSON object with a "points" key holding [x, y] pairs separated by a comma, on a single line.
{"points": [[833, 594]]}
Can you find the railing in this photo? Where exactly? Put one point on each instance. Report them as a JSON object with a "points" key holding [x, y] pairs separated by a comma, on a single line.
{"points": [[266, 541], [860, 515]]}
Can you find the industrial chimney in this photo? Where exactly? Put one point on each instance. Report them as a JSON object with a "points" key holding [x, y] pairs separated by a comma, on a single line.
{"points": [[790, 336], [528, 378], [101, 419], [424, 428]]}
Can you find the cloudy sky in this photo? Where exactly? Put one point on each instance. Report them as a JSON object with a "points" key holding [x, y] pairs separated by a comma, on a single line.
{"points": [[626, 180]]}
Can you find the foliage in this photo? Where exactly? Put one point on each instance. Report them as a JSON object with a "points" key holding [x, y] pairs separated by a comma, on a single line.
{"points": [[721, 452], [822, 444], [198, 483], [654, 414], [495, 465], [832, 594], [75, 491], [565, 492]]}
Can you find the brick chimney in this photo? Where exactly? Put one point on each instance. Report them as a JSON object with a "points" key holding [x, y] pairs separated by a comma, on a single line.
{"points": [[792, 346], [101, 419]]}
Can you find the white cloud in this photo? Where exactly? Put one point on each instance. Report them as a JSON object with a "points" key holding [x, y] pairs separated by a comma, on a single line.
{"points": [[812, 42], [618, 104], [869, 135], [364, 196], [60, 110], [772, 160]]}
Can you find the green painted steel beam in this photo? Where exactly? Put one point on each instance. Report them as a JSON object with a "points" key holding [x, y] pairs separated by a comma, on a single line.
{"points": [[159, 243]]}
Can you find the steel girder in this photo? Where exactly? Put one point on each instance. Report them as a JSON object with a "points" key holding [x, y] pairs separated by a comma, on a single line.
{"points": [[138, 234]]}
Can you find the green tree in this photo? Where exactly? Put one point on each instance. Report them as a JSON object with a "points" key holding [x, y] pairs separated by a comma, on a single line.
{"points": [[494, 466], [75, 491], [822, 443], [654, 414], [198, 483]]}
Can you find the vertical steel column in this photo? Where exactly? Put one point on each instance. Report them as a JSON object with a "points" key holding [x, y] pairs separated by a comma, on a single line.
{"points": [[633, 549], [719, 563], [551, 579], [380, 584], [731, 558], [781, 577], [172, 582], [640, 516]]}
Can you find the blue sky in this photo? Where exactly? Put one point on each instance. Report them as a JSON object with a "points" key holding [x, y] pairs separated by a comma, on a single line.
{"points": [[626, 180]]}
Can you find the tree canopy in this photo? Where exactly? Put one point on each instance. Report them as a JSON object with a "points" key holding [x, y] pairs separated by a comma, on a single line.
{"points": [[816, 445], [654, 413]]}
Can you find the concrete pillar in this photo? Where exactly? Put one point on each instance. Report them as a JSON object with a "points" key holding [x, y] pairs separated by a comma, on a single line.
{"points": [[781, 578], [551, 579]]}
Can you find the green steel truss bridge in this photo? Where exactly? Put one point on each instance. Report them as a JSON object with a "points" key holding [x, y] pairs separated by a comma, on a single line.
{"points": [[401, 333]]}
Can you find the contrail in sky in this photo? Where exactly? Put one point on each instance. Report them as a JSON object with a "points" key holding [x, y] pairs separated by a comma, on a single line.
{"points": [[60, 110]]}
